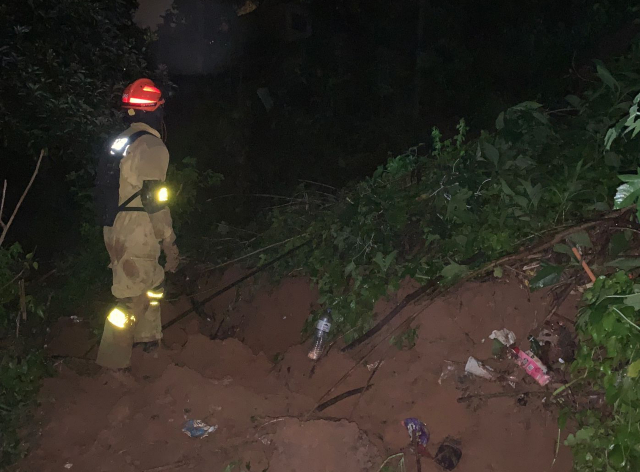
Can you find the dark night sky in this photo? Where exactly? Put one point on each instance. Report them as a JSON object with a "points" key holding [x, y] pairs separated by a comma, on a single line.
{"points": [[148, 14]]}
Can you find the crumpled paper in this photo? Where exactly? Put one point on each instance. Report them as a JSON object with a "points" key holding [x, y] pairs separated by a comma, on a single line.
{"points": [[505, 336]]}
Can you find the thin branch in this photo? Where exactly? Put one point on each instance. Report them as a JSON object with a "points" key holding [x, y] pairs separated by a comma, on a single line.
{"points": [[4, 195], [253, 253], [24, 194], [486, 396], [317, 183]]}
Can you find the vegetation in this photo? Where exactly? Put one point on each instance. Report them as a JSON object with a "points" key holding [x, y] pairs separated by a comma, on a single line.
{"points": [[57, 93], [437, 214]]}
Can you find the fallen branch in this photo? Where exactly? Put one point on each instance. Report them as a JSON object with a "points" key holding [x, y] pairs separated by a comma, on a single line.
{"points": [[530, 254], [224, 264], [233, 284], [487, 396], [7, 225], [342, 396], [366, 387], [414, 440], [175, 465], [391, 315]]}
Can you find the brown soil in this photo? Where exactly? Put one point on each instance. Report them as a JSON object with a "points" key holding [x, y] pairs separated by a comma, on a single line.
{"points": [[92, 420]]}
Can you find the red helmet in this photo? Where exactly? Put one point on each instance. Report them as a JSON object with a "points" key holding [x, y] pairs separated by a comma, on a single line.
{"points": [[142, 95]]}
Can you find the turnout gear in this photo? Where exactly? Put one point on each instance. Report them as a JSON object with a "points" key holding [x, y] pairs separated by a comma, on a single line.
{"points": [[142, 95], [140, 228], [107, 189]]}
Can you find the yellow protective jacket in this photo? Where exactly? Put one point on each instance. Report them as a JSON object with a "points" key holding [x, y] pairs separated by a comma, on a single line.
{"points": [[133, 242]]}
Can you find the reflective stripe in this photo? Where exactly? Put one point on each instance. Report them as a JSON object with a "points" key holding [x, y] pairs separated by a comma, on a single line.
{"points": [[154, 303], [155, 294], [118, 318], [163, 194], [118, 144]]}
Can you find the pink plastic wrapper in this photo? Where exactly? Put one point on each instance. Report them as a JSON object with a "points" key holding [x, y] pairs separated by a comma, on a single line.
{"points": [[533, 366]]}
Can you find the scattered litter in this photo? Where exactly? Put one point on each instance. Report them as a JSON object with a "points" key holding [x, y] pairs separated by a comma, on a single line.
{"points": [[322, 332], [546, 336], [522, 400], [505, 336], [198, 429], [416, 427], [448, 454], [374, 365], [68, 465], [533, 366], [75, 319], [534, 345], [478, 369], [447, 370], [561, 360]]}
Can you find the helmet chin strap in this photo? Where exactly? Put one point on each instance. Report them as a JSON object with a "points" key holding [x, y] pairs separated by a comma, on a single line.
{"points": [[163, 131]]}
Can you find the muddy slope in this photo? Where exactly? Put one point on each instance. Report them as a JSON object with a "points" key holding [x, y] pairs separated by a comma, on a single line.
{"points": [[100, 421]]}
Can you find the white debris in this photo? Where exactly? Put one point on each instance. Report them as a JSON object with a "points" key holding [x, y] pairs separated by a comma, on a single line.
{"points": [[505, 336], [478, 369], [447, 370]]}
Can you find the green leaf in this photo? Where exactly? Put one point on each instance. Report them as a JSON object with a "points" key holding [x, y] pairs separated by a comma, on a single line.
{"points": [[582, 239], [497, 272], [563, 249], [612, 159], [573, 101], [624, 263], [616, 457], [585, 433], [500, 121], [491, 152], [453, 271], [385, 261], [626, 195], [633, 300], [606, 76], [619, 243], [523, 162], [349, 268], [634, 369], [506, 189], [548, 274]]}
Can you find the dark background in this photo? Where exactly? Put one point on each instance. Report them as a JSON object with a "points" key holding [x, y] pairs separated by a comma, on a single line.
{"points": [[352, 83]]}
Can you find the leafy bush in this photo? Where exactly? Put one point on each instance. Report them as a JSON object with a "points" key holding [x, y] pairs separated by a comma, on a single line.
{"points": [[608, 363], [437, 213]]}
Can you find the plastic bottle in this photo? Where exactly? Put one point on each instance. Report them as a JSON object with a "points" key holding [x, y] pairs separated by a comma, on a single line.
{"points": [[322, 332]]}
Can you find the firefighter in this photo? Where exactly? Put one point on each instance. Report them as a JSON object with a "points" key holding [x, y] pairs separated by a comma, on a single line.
{"points": [[132, 198]]}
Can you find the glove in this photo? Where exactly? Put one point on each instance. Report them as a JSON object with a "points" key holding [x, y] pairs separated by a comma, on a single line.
{"points": [[172, 254]]}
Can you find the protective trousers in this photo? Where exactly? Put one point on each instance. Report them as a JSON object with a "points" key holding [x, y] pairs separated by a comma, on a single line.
{"points": [[137, 284]]}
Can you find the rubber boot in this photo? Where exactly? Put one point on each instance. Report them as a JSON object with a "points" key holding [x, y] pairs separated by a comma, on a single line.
{"points": [[149, 324], [116, 344], [115, 347]]}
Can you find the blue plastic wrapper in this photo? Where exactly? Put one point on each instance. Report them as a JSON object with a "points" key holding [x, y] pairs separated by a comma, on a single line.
{"points": [[198, 429], [414, 424]]}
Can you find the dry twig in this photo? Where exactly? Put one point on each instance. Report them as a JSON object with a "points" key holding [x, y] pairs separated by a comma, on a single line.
{"points": [[7, 225]]}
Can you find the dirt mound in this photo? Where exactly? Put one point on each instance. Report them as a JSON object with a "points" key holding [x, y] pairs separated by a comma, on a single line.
{"points": [[320, 446], [266, 318], [264, 412]]}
